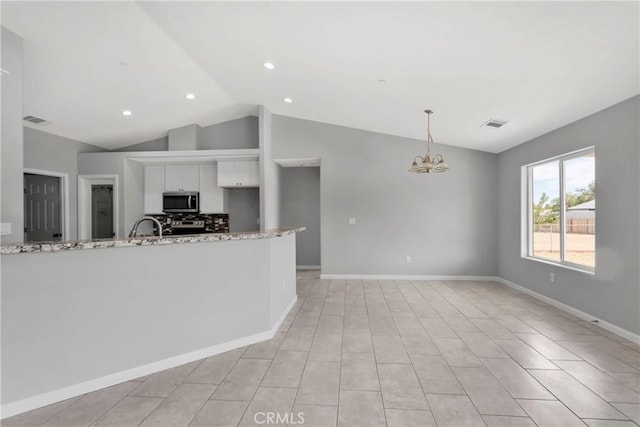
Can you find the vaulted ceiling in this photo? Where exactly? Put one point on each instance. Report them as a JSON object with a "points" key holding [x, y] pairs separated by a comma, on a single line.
{"points": [[367, 65]]}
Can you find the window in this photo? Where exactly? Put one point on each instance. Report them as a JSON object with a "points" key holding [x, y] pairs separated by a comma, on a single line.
{"points": [[561, 210]]}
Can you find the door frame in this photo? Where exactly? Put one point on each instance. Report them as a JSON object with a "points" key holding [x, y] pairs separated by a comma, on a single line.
{"points": [[84, 202], [64, 194]]}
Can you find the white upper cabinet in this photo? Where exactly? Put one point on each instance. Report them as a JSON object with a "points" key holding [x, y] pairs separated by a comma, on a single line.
{"points": [[181, 178], [153, 188], [202, 178], [239, 174], [249, 173], [190, 178], [211, 196], [227, 174]]}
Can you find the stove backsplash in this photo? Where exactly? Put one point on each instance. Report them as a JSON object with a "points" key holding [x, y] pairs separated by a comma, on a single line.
{"points": [[214, 223]]}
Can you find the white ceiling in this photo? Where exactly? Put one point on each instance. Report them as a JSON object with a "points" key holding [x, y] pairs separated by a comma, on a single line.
{"points": [[538, 65], [86, 62]]}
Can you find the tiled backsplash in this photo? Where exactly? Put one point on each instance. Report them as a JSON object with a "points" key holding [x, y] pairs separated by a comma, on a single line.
{"points": [[214, 223]]}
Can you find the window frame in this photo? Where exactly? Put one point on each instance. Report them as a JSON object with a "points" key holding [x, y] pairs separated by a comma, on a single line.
{"points": [[527, 227]]}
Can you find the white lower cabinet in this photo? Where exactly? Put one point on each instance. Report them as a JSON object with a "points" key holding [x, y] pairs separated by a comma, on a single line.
{"points": [[239, 174]]}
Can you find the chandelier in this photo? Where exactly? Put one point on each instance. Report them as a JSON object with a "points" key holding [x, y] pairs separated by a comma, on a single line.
{"points": [[428, 164]]}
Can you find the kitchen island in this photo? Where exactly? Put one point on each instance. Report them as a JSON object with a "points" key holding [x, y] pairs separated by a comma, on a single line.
{"points": [[80, 316]]}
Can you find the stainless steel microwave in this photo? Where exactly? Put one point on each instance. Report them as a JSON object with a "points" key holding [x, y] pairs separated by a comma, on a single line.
{"points": [[181, 202]]}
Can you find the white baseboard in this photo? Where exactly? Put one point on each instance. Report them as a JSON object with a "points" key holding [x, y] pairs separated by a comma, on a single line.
{"points": [[307, 267], [572, 310], [402, 277], [44, 399]]}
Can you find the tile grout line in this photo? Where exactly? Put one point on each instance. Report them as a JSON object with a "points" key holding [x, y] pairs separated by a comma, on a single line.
{"points": [[413, 368], [295, 398], [453, 373], [97, 420], [344, 312], [515, 399], [174, 390], [550, 392]]}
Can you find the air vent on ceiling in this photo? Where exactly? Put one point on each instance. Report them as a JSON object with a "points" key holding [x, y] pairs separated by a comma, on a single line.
{"points": [[34, 119], [493, 123]]}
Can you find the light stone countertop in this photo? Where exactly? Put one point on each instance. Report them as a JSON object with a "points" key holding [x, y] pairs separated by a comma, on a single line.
{"points": [[71, 245]]}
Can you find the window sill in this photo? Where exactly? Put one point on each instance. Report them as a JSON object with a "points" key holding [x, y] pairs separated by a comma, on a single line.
{"points": [[573, 267]]}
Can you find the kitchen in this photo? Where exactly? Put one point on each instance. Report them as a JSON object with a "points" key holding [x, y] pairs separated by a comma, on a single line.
{"points": [[191, 293], [219, 186], [232, 288]]}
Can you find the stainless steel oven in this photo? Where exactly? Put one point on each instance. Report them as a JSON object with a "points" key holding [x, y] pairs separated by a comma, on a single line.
{"points": [[181, 202], [188, 227]]}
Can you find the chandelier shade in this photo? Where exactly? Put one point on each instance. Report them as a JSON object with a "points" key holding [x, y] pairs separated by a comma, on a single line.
{"points": [[428, 163]]}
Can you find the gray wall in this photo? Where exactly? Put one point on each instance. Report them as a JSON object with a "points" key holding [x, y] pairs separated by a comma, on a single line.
{"points": [[50, 152], [130, 183], [234, 134], [184, 138], [613, 293], [160, 144], [445, 222], [300, 206], [11, 198], [243, 207]]}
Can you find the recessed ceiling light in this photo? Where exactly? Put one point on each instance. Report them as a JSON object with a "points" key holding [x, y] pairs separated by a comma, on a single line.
{"points": [[190, 96], [287, 100], [269, 66], [126, 113]]}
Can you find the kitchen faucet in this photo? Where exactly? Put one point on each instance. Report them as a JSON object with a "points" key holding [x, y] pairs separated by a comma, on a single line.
{"points": [[134, 230]]}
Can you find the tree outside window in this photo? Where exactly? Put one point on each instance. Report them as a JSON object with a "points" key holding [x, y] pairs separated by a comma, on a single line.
{"points": [[561, 226]]}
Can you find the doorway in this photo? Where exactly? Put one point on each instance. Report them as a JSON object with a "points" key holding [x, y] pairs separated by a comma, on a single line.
{"points": [[300, 206], [102, 211], [42, 208], [97, 206]]}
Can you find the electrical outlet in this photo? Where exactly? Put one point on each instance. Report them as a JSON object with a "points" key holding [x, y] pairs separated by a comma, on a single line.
{"points": [[408, 259], [552, 277], [352, 221], [5, 229], [284, 285]]}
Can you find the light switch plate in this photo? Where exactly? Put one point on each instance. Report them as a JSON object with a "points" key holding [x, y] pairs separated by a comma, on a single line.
{"points": [[5, 229], [352, 221]]}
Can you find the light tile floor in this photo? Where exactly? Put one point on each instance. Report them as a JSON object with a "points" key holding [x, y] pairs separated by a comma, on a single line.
{"points": [[395, 353]]}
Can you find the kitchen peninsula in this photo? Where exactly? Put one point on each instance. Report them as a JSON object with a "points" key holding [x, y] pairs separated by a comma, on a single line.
{"points": [[78, 317]]}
